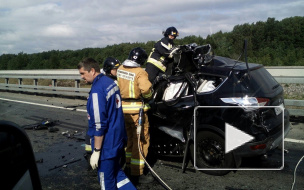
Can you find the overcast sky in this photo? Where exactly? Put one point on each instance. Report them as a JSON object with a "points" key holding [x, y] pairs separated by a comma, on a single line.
{"points": [[32, 26]]}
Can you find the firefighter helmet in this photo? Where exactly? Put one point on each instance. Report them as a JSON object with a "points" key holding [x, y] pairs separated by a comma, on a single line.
{"points": [[109, 64], [171, 31], [138, 55]]}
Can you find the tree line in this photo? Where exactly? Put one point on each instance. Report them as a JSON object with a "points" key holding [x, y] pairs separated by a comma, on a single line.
{"points": [[271, 43]]}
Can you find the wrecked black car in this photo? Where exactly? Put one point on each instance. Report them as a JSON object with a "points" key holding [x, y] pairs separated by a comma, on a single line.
{"points": [[240, 94]]}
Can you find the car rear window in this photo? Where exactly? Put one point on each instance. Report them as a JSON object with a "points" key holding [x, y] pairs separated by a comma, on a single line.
{"points": [[261, 79]]}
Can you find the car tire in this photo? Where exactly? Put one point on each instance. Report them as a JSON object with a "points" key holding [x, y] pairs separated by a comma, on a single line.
{"points": [[210, 153]]}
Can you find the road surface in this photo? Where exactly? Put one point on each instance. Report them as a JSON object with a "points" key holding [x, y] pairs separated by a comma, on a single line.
{"points": [[61, 163]]}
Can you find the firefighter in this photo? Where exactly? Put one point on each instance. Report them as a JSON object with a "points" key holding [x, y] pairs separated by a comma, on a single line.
{"points": [[110, 66], [105, 126], [161, 54], [134, 87]]}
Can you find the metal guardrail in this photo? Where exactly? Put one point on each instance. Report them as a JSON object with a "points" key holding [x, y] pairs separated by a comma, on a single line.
{"points": [[281, 74], [53, 75], [287, 75], [295, 103]]}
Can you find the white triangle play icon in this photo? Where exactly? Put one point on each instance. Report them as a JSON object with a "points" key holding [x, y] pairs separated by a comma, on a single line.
{"points": [[235, 138]]}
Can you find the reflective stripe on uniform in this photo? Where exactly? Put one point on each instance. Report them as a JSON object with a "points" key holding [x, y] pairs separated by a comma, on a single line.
{"points": [[122, 183], [131, 90], [111, 92], [128, 154], [168, 47], [102, 181], [147, 95], [88, 148], [137, 162], [135, 107], [96, 111], [157, 64]]}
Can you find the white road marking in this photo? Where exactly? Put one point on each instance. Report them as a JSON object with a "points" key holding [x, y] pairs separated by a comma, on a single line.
{"points": [[44, 105], [294, 140]]}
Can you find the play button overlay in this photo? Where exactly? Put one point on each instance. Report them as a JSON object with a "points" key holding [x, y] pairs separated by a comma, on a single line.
{"points": [[218, 146], [235, 138]]}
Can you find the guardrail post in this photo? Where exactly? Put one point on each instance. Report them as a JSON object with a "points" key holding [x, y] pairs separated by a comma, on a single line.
{"points": [[54, 83], [6, 81], [35, 83], [77, 84], [20, 82]]}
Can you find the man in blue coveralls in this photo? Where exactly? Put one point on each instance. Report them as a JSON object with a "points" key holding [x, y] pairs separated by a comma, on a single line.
{"points": [[106, 126]]}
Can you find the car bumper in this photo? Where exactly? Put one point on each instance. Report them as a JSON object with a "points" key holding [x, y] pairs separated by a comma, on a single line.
{"points": [[271, 143]]}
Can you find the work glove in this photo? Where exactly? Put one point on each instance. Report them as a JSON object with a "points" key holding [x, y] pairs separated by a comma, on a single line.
{"points": [[159, 78], [173, 51], [94, 159]]}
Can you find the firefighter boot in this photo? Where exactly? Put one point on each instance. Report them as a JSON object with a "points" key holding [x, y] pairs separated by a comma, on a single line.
{"points": [[127, 171], [145, 179]]}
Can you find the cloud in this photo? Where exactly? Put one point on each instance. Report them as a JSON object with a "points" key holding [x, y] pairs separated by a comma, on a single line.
{"points": [[32, 26], [58, 31]]}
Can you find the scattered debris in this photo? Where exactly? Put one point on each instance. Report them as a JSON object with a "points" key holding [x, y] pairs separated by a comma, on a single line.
{"points": [[75, 106], [64, 133], [50, 124], [44, 124], [74, 134], [65, 165]]}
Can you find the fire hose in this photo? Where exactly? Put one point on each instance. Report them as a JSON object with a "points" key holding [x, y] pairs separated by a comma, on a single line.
{"points": [[139, 128]]}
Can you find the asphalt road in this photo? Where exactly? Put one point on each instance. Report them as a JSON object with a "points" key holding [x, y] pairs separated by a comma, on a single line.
{"points": [[61, 163]]}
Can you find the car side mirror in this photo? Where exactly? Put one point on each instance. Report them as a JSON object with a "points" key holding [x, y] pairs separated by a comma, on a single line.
{"points": [[17, 160]]}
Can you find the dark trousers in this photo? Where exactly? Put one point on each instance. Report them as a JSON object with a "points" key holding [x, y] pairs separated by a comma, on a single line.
{"points": [[152, 71]]}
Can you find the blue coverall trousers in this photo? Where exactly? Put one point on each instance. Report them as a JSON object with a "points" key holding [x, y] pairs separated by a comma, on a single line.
{"points": [[111, 176]]}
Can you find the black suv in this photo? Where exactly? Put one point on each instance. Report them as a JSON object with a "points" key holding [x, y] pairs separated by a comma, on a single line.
{"points": [[247, 94]]}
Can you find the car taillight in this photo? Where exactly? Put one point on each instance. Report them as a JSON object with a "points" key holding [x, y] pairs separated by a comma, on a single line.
{"points": [[247, 103], [263, 101]]}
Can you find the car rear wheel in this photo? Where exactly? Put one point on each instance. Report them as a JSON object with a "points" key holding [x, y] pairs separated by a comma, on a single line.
{"points": [[210, 153]]}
